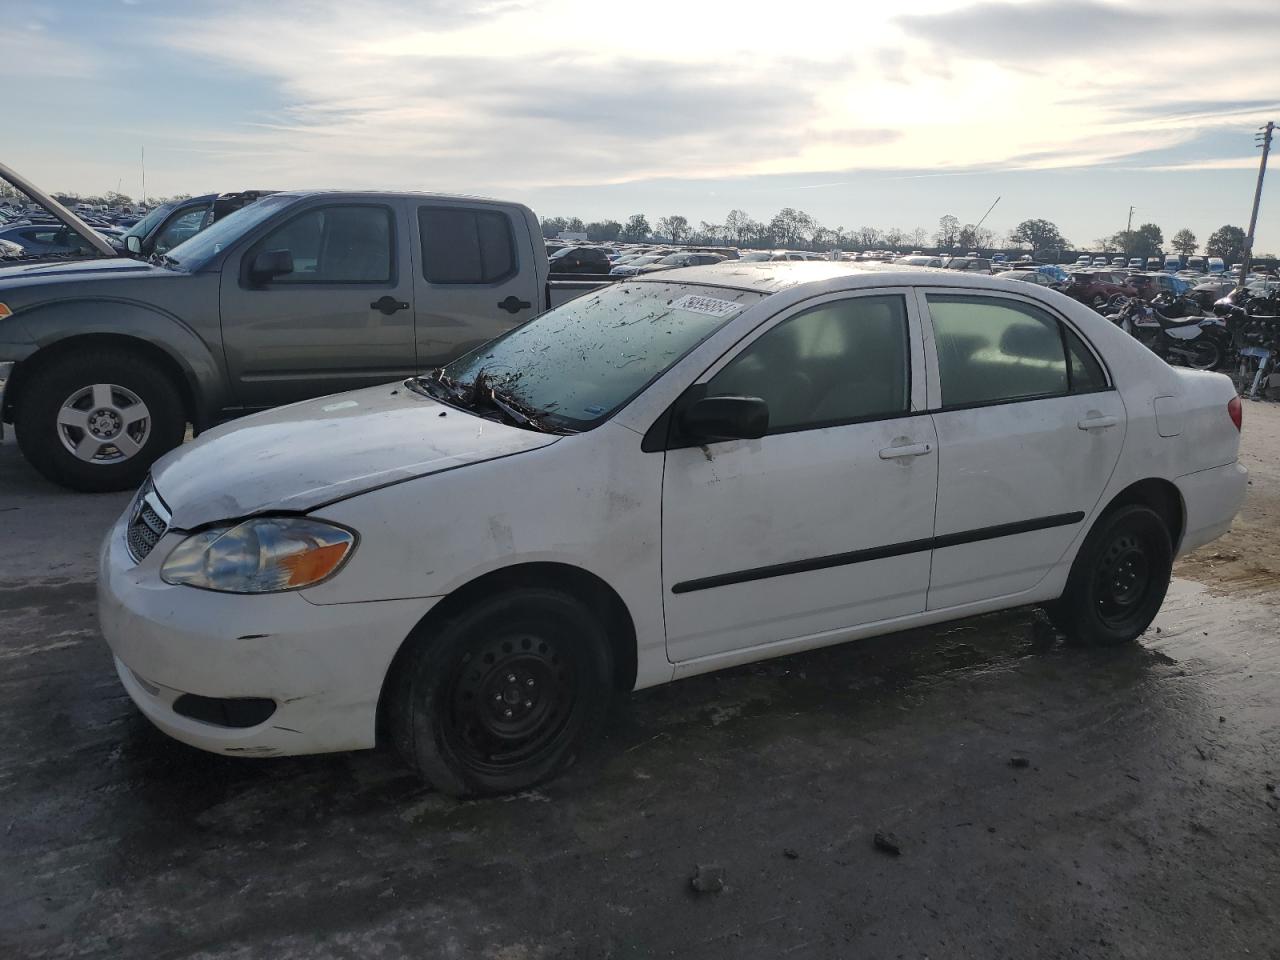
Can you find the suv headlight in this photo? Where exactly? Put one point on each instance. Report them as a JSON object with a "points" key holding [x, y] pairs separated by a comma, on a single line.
{"points": [[261, 555]]}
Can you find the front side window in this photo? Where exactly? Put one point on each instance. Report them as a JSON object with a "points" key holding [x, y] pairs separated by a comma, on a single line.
{"points": [[840, 362], [992, 351], [461, 245], [181, 228], [579, 363], [333, 245]]}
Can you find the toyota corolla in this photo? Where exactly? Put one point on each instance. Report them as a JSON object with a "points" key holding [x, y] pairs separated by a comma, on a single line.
{"points": [[662, 478]]}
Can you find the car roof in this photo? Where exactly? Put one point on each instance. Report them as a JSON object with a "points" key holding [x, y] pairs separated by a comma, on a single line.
{"points": [[772, 276]]}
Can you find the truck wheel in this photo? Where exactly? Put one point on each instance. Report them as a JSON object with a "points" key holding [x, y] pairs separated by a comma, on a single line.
{"points": [[97, 421], [504, 695], [1118, 580]]}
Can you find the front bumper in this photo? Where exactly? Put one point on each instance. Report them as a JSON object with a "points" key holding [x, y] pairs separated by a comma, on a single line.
{"points": [[322, 666]]}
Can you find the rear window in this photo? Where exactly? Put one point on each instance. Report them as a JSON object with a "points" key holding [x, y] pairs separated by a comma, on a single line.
{"points": [[461, 245]]}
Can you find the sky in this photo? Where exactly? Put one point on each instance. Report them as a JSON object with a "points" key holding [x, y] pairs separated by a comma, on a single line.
{"points": [[861, 114]]}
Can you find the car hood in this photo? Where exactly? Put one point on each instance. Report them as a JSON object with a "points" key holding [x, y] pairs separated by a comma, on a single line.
{"points": [[302, 456], [62, 270]]}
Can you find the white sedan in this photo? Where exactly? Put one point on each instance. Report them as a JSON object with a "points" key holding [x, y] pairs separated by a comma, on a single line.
{"points": [[662, 478]]}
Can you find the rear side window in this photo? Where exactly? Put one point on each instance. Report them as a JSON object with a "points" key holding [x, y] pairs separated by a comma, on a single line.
{"points": [[993, 351], [1086, 372], [837, 363], [461, 245]]}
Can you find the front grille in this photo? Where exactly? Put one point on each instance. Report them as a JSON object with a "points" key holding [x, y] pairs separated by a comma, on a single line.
{"points": [[145, 531]]}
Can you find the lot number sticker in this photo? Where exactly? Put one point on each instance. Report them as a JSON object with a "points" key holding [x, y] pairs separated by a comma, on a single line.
{"points": [[706, 305]]}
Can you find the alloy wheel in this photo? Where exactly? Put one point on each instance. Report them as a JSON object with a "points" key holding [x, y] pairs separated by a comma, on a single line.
{"points": [[104, 423]]}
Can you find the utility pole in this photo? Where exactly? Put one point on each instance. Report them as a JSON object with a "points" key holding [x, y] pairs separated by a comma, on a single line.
{"points": [[1265, 139], [144, 176], [1128, 232]]}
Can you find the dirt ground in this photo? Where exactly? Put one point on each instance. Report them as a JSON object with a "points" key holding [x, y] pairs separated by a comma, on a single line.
{"points": [[1248, 558], [1047, 801]]}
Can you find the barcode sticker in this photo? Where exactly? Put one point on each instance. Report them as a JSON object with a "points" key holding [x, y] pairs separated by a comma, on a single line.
{"points": [[707, 305]]}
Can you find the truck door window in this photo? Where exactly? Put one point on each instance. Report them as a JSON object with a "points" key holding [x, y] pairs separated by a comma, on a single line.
{"points": [[341, 244], [461, 245], [181, 227]]}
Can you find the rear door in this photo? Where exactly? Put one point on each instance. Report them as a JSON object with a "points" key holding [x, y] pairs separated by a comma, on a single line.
{"points": [[1029, 431], [342, 319], [474, 276]]}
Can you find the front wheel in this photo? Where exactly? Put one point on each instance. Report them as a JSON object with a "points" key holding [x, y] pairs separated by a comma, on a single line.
{"points": [[1119, 578], [96, 420], [503, 695]]}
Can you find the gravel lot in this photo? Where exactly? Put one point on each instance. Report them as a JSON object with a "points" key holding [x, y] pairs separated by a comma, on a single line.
{"points": [[1141, 825]]}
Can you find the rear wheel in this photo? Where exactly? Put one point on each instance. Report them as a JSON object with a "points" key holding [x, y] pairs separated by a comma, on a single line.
{"points": [[97, 421], [1119, 578], [1205, 354], [504, 695]]}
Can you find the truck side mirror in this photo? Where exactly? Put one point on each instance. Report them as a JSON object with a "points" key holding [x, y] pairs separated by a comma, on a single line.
{"points": [[269, 264], [133, 244]]}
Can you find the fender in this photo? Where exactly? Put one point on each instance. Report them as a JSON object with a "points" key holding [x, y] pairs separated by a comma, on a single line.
{"points": [[54, 321]]}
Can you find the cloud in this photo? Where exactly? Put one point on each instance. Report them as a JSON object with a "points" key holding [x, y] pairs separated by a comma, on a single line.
{"points": [[1050, 30]]}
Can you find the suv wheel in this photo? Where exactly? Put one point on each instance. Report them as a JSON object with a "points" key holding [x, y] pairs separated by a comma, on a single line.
{"points": [[1119, 578], [98, 421], [504, 695]]}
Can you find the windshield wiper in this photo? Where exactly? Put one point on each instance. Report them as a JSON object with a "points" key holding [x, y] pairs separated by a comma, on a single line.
{"points": [[513, 409]]}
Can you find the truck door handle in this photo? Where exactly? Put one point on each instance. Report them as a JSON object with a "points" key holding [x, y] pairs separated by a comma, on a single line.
{"points": [[388, 305], [1097, 423], [906, 450], [514, 304]]}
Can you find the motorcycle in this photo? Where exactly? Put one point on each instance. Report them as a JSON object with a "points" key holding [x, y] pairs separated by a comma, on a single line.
{"points": [[1199, 341], [1256, 340]]}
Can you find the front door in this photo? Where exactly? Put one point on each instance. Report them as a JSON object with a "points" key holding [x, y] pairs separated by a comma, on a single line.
{"points": [[341, 319], [474, 277], [1029, 432], [824, 523]]}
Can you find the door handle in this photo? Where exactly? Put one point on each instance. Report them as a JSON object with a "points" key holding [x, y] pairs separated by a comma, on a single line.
{"points": [[906, 450], [514, 304], [1097, 423], [388, 305]]}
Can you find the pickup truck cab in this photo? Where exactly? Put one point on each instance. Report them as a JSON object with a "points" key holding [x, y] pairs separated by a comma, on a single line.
{"points": [[106, 361]]}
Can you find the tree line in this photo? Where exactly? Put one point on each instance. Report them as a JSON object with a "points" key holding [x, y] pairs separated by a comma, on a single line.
{"points": [[797, 230]]}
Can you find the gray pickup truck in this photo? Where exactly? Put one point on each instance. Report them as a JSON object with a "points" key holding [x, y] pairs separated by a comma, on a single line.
{"points": [[104, 362]]}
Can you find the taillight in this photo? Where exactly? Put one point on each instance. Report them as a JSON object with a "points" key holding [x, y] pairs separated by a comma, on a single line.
{"points": [[1235, 411]]}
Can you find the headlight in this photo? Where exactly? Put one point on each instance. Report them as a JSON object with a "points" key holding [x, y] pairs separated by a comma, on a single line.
{"points": [[262, 555]]}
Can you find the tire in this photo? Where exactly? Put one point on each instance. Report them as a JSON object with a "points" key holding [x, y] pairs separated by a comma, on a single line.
{"points": [[1098, 301], [532, 652], [1205, 356], [1119, 579], [91, 396]]}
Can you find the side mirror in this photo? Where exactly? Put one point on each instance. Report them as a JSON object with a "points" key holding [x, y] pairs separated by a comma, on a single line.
{"points": [[269, 264], [725, 418], [133, 244]]}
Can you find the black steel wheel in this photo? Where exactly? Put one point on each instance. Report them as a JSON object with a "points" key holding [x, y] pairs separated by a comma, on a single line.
{"points": [[1119, 578], [503, 695], [511, 698]]}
